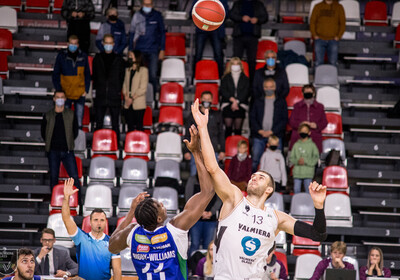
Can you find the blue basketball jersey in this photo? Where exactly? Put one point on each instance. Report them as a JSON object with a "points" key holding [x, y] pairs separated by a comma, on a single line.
{"points": [[155, 255]]}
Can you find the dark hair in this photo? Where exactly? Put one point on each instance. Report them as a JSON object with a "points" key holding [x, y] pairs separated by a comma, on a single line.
{"points": [[146, 214], [206, 92], [20, 252], [97, 210], [308, 86], [73, 37], [49, 231], [108, 36], [271, 182], [58, 91], [139, 59]]}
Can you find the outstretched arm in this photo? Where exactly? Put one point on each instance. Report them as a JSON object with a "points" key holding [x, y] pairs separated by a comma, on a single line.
{"points": [[317, 231], [117, 241], [65, 211], [197, 204], [228, 193]]}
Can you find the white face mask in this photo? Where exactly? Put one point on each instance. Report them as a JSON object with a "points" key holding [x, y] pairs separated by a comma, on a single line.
{"points": [[235, 68], [60, 102]]}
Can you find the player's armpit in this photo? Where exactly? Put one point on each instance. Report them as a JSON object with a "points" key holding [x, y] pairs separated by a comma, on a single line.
{"points": [[117, 241]]}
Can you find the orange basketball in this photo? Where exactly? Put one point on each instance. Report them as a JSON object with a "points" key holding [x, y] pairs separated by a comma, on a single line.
{"points": [[208, 15]]}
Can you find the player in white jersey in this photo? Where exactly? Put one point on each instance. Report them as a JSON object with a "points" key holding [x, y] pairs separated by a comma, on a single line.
{"points": [[246, 228]]}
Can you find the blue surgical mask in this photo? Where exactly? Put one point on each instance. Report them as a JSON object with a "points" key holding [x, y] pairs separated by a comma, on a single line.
{"points": [[72, 48], [147, 9], [271, 62], [108, 47], [60, 102]]}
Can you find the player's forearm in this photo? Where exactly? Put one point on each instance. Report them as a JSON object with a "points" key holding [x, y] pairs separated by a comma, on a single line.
{"points": [[207, 151], [65, 210], [204, 177], [316, 231]]}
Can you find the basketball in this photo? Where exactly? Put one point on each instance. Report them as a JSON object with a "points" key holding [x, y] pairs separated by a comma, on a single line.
{"points": [[208, 15]]}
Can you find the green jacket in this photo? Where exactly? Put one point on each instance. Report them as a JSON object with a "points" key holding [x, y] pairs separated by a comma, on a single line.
{"points": [[68, 116], [309, 151]]}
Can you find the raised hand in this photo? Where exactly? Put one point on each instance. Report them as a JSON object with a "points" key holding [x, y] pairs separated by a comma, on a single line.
{"points": [[139, 198], [69, 187], [200, 119], [194, 144], [318, 194]]}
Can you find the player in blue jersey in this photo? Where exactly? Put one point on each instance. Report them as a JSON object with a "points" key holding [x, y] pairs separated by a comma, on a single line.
{"points": [[92, 253], [23, 262], [158, 251]]}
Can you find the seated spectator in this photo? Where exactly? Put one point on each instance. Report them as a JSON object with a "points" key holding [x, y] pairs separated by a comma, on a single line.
{"points": [[23, 263], [311, 112], [374, 265], [239, 171], [274, 163], [304, 156], [234, 94], [205, 265], [338, 251], [275, 270], [116, 28], [134, 91], [51, 260]]}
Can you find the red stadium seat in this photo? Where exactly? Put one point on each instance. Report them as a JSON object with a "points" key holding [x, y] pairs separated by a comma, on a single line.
{"points": [[87, 228], [397, 37], [57, 197], [105, 143], [175, 45], [245, 67], [4, 65], [120, 220], [295, 95], [213, 88], [375, 13], [260, 65], [206, 72], [231, 143], [37, 6], [90, 60], [263, 46], [57, 6], [63, 174], [148, 120], [334, 128], [293, 19], [137, 145], [6, 42], [16, 4], [283, 258], [335, 179], [170, 119], [171, 94], [303, 245]]}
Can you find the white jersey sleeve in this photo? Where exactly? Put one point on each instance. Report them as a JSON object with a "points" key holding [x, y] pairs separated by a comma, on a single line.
{"points": [[181, 239]]}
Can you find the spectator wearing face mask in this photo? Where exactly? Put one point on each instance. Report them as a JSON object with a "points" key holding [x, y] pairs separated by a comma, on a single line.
{"points": [[116, 28], [273, 70], [239, 171], [311, 112], [268, 116], [215, 128], [234, 94], [274, 163]]}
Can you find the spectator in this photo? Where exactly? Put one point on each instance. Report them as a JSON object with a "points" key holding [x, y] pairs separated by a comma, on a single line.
{"points": [[205, 265], [147, 34], [216, 130], [239, 171], [202, 233], [216, 37], [108, 77], [273, 162], [327, 25], [23, 262], [234, 94], [268, 117], [304, 157], [78, 14], [247, 17], [273, 70], [116, 28], [338, 251], [51, 260], [374, 265], [134, 91], [71, 74], [275, 269], [59, 129], [311, 112], [94, 259]]}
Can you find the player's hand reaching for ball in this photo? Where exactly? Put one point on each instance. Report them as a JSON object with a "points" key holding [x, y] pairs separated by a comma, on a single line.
{"points": [[194, 144], [318, 194], [69, 187], [139, 198], [200, 119]]}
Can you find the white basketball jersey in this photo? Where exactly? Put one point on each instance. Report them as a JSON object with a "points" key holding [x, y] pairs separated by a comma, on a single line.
{"points": [[243, 240]]}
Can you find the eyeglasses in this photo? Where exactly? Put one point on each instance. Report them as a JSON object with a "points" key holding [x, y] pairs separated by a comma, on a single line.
{"points": [[47, 240]]}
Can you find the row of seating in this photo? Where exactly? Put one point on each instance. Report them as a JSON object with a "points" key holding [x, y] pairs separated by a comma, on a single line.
{"points": [[34, 6]]}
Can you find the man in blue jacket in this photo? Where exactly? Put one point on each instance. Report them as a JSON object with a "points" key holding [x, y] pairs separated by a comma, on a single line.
{"points": [[115, 27], [147, 34]]}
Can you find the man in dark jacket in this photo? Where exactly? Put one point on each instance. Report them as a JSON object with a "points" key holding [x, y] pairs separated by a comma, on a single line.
{"points": [[268, 116], [108, 78], [115, 27], [248, 16]]}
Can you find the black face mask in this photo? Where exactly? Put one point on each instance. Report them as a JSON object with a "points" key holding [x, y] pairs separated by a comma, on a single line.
{"points": [[308, 95], [273, 148], [113, 18], [303, 135], [130, 62]]}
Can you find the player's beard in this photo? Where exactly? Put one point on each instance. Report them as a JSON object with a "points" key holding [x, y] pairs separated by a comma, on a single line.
{"points": [[27, 275], [255, 190]]}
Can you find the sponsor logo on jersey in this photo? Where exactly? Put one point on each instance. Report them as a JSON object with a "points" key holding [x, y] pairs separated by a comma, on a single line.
{"points": [[142, 239], [262, 232], [142, 248], [250, 245], [159, 238]]}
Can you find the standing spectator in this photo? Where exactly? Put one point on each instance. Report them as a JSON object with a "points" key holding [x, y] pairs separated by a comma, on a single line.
{"points": [[273, 162], [338, 251], [23, 262], [268, 117], [116, 28], [51, 260], [374, 265], [134, 90], [78, 14], [59, 129], [205, 265], [234, 94], [304, 157], [275, 269], [216, 37], [311, 112], [147, 34], [108, 77], [239, 170], [94, 259], [215, 127], [273, 70], [327, 25], [71, 75]]}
